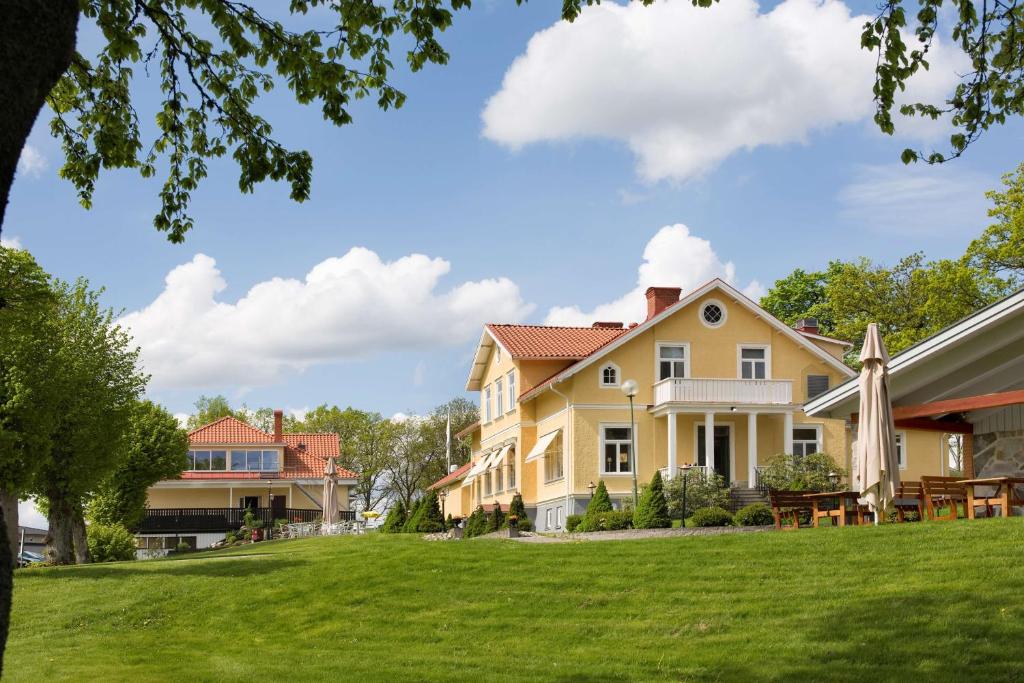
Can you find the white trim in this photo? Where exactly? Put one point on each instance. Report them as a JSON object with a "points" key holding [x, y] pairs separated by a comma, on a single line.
{"points": [[831, 340], [721, 307], [510, 387], [600, 376], [955, 333], [731, 424], [687, 365], [634, 443], [767, 348], [901, 446], [732, 293]]}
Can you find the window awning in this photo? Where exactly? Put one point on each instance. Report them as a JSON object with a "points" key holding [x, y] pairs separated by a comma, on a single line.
{"points": [[498, 457], [542, 445], [476, 469]]}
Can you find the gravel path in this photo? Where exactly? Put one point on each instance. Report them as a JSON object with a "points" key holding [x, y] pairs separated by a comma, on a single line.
{"points": [[634, 534]]}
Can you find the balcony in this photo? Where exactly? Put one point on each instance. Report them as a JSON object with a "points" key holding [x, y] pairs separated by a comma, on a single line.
{"points": [[725, 391], [161, 520]]}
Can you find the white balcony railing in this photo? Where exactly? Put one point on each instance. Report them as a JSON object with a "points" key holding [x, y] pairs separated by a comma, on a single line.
{"points": [[745, 391]]}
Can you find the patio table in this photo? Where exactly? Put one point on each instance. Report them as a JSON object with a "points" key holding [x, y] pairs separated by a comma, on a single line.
{"points": [[845, 504], [1005, 496]]}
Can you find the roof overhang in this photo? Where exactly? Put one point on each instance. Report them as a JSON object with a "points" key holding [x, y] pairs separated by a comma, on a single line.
{"points": [[976, 356], [483, 352], [716, 284]]}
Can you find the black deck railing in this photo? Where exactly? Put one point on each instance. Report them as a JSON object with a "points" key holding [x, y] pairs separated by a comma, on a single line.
{"points": [[223, 519]]}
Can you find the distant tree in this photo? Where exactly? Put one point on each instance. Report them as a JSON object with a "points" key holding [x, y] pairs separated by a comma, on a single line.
{"points": [[395, 520], [111, 543], [209, 409], [798, 295], [1000, 248], [431, 518], [652, 509], [99, 384], [600, 501], [155, 449]]}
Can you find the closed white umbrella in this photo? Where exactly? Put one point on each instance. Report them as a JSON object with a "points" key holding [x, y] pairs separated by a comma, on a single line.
{"points": [[330, 497], [877, 469]]}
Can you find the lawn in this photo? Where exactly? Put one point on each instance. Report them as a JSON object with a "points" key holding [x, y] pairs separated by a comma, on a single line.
{"points": [[915, 601]]}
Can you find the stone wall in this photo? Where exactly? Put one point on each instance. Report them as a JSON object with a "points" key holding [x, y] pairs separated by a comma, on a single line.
{"points": [[999, 454]]}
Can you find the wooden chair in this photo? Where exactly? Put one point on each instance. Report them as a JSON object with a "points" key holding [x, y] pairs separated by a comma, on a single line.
{"points": [[786, 505], [940, 491], [909, 498]]}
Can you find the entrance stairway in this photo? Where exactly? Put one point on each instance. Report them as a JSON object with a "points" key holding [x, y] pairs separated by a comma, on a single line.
{"points": [[741, 497]]}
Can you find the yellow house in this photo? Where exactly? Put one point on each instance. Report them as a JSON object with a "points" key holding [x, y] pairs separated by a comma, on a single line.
{"points": [[721, 385], [234, 467]]}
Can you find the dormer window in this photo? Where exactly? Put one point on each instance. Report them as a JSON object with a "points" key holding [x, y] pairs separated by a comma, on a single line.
{"points": [[610, 375]]}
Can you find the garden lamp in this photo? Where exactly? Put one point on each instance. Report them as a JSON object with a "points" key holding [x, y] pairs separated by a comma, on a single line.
{"points": [[833, 478], [629, 388], [591, 486]]}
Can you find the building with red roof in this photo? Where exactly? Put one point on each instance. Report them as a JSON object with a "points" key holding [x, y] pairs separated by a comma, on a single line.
{"points": [[234, 467]]}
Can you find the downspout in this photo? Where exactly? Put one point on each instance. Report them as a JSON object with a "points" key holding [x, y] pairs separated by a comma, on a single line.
{"points": [[568, 453]]}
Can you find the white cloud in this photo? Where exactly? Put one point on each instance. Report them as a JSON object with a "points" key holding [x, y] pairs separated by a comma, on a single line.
{"points": [[182, 419], [916, 199], [672, 258], [29, 515], [686, 87], [10, 243], [32, 162], [298, 413], [345, 308]]}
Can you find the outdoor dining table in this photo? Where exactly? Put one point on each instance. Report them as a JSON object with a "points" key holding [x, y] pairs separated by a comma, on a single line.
{"points": [[1005, 497], [845, 504]]}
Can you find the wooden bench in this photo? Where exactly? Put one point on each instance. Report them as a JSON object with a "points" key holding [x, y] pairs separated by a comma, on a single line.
{"points": [[940, 491], [909, 498], [786, 505]]}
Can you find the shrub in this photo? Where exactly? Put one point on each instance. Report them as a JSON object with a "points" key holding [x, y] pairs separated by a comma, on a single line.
{"points": [[572, 522], [755, 514], [431, 519], [703, 490], [496, 519], [518, 508], [713, 516], [395, 520], [652, 509], [612, 520], [600, 501], [415, 514], [476, 524], [110, 543], [800, 472], [449, 523]]}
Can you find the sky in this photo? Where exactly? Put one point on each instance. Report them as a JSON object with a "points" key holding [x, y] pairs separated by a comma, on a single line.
{"points": [[549, 173]]}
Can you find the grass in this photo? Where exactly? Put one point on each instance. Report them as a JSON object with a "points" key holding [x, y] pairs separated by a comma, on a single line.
{"points": [[900, 602]]}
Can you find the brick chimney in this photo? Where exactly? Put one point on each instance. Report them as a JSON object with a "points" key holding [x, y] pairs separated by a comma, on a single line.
{"points": [[660, 298], [809, 325], [608, 325], [278, 430]]}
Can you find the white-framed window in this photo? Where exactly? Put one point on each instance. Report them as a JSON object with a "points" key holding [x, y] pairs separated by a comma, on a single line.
{"points": [[511, 391], [816, 385], [487, 483], [499, 479], [487, 403], [511, 470], [901, 449], [561, 518], [615, 449], [712, 313], [499, 397], [239, 461], [806, 439], [554, 468], [609, 375], [755, 361], [548, 518], [673, 360]]}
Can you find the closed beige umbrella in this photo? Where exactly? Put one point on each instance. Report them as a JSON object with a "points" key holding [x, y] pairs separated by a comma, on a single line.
{"points": [[330, 497], [877, 471]]}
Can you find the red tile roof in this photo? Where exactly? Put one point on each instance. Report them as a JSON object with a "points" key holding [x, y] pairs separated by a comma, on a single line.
{"points": [[541, 341], [304, 454], [454, 476]]}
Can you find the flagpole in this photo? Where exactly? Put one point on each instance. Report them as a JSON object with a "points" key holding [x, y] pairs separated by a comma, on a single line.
{"points": [[448, 443]]}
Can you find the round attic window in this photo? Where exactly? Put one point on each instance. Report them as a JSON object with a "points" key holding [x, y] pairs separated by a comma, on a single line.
{"points": [[712, 314]]}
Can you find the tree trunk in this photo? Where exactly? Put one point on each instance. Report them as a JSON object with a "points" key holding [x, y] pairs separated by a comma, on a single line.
{"points": [[79, 536], [60, 543], [9, 507], [37, 43], [6, 588]]}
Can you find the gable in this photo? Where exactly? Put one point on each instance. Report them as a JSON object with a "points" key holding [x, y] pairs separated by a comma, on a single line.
{"points": [[229, 430]]}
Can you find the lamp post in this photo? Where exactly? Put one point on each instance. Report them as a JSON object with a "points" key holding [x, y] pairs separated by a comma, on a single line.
{"points": [[685, 467], [833, 479], [629, 388], [270, 511], [592, 486]]}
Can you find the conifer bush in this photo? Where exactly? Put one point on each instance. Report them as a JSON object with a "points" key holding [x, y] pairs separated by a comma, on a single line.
{"points": [[518, 508], [395, 520], [496, 519], [415, 514], [600, 501], [476, 524], [652, 508], [431, 519]]}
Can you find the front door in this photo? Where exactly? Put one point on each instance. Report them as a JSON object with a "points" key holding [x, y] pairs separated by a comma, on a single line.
{"points": [[722, 442], [278, 506]]}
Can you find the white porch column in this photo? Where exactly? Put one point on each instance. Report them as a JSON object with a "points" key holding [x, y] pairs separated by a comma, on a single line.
{"points": [[231, 497], [787, 434], [672, 439], [751, 449], [709, 440]]}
